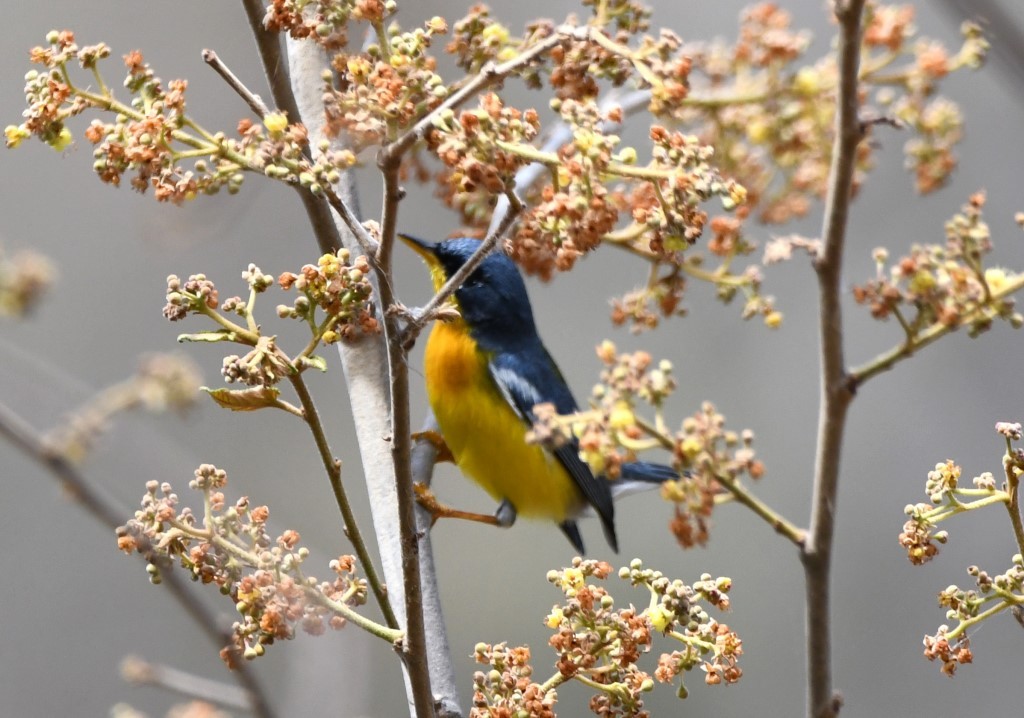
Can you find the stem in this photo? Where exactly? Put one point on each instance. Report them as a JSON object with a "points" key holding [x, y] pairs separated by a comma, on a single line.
{"points": [[944, 512], [975, 620], [836, 392], [889, 359], [415, 645], [740, 492], [254, 101], [333, 468], [553, 682], [1013, 505]]}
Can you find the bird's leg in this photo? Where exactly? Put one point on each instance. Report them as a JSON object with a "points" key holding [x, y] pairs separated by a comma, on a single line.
{"points": [[425, 497], [437, 441], [504, 517]]}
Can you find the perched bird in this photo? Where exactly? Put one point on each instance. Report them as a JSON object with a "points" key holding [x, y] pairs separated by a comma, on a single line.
{"points": [[485, 371]]}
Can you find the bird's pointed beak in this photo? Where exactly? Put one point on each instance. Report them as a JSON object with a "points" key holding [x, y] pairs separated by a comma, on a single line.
{"points": [[421, 247], [427, 250]]}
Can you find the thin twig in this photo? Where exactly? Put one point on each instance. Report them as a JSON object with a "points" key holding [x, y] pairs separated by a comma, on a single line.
{"points": [[822, 702], [141, 672], [30, 442], [254, 101]]}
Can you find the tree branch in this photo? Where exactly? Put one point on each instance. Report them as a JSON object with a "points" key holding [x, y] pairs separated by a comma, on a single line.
{"points": [[822, 702], [415, 647], [365, 364]]}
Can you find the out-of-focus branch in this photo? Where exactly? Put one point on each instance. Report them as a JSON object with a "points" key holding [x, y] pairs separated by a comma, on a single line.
{"points": [[141, 672], [822, 700], [1005, 31], [31, 444]]}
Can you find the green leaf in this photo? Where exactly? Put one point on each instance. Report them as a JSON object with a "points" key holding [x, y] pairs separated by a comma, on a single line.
{"points": [[257, 397], [317, 362], [221, 335]]}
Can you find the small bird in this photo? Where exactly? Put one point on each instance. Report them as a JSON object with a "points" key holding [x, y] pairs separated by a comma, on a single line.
{"points": [[485, 371]]}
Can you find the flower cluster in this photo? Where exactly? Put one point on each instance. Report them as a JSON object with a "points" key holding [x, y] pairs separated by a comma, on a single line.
{"points": [[482, 148], [601, 645], [951, 656], [325, 21], [571, 215], [24, 278], [153, 138], [194, 296], [608, 433], [229, 547], [334, 300], [507, 688], [991, 594], [376, 93], [341, 288], [612, 432], [706, 453], [945, 285], [772, 119]]}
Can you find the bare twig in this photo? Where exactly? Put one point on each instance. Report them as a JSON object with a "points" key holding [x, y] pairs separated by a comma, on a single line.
{"points": [[30, 442], [141, 672], [256, 104], [822, 702]]}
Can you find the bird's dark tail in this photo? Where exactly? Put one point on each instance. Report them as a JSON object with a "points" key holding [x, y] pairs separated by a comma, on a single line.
{"points": [[640, 476]]}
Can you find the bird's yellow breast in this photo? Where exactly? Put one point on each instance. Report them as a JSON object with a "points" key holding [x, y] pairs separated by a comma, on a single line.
{"points": [[485, 434]]}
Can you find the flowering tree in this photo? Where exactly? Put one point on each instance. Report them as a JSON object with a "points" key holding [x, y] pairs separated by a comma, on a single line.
{"points": [[737, 137]]}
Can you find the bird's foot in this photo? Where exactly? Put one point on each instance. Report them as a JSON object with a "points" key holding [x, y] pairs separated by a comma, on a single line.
{"points": [[425, 498], [437, 441]]}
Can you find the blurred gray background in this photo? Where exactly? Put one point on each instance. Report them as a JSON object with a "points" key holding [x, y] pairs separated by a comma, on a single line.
{"points": [[74, 606]]}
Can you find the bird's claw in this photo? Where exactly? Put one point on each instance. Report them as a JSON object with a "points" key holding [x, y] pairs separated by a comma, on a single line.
{"points": [[437, 441]]}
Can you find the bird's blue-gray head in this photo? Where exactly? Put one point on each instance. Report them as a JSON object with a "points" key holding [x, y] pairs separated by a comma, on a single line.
{"points": [[492, 301]]}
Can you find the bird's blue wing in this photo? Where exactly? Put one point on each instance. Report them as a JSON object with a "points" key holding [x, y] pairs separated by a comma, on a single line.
{"points": [[528, 377]]}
